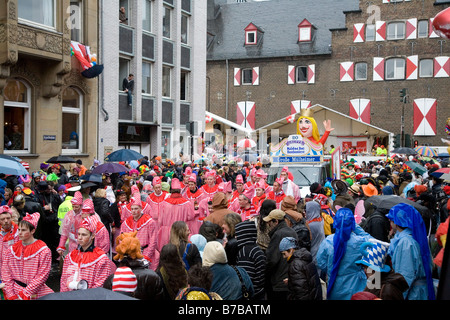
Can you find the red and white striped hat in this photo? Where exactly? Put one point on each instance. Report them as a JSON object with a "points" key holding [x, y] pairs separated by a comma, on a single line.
{"points": [[32, 218], [77, 199], [89, 223], [88, 206], [124, 280]]}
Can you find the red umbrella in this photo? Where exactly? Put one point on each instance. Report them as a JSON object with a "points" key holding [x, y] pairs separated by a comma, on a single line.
{"points": [[246, 143]]}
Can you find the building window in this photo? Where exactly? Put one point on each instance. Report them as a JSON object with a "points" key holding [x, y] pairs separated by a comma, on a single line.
{"points": [[304, 31], [426, 68], [41, 12], [395, 69], [75, 21], [167, 18], [17, 116], [422, 29], [184, 28], [124, 71], [146, 77], [361, 71], [250, 37], [184, 85], [302, 74], [147, 15], [247, 76], [124, 11], [396, 30], [72, 121], [166, 81], [370, 32], [165, 144]]}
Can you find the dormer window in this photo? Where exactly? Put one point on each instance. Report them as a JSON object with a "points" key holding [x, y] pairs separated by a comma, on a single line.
{"points": [[305, 31], [251, 34]]}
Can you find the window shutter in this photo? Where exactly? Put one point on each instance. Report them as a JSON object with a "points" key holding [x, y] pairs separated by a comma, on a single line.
{"points": [[431, 33], [298, 105], [411, 28], [425, 117], [255, 76], [237, 76], [378, 69], [412, 67], [291, 74], [311, 74], [347, 71], [246, 114], [441, 67], [380, 30], [358, 32], [360, 110]]}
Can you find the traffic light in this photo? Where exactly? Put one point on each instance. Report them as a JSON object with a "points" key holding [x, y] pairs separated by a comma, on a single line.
{"points": [[403, 94], [396, 141]]}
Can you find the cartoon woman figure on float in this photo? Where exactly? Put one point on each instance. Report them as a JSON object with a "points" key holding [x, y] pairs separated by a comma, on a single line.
{"points": [[307, 127]]}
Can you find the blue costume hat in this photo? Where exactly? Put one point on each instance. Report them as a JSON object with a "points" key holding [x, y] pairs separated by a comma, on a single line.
{"points": [[374, 255]]}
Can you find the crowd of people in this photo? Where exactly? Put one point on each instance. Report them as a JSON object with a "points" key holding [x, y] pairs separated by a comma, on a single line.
{"points": [[165, 230]]}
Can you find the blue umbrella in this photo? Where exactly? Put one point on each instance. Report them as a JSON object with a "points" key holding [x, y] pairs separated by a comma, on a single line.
{"points": [[12, 167], [109, 168], [123, 155]]}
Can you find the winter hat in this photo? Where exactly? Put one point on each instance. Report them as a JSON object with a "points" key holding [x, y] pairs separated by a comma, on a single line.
{"points": [[156, 180], [136, 201], [89, 223], [420, 188], [32, 218], [214, 253], [239, 179], [176, 185], [88, 206], [193, 178], [124, 280], [288, 243], [165, 186], [374, 254], [77, 199], [388, 191]]}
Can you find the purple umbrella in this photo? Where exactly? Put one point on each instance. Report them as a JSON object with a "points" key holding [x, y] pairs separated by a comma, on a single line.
{"points": [[109, 167]]}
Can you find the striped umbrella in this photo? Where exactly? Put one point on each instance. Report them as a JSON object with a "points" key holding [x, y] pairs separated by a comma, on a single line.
{"points": [[246, 143], [426, 151], [443, 174]]}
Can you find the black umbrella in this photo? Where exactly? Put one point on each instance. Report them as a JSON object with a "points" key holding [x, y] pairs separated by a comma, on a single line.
{"points": [[92, 178], [404, 150], [387, 202], [89, 294], [93, 72], [61, 159]]}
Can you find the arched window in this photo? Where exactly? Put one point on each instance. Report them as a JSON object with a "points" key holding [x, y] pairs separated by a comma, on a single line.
{"points": [[17, 116], [72, 121]]}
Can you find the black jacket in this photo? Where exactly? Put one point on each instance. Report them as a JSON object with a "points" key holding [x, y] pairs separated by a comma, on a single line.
{"points": [[276, 267], [101, 206], [303, 277], [149, 284]]}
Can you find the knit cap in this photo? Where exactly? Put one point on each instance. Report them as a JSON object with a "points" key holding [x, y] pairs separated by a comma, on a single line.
{"points": [[124, 280]]}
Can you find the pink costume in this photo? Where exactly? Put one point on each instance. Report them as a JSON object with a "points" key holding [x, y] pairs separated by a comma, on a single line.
{"points": [[91, 265], [174, 208], [146, 229], [7, 237], [290, 188], [155, 200], [26, 268], [195, 198]]}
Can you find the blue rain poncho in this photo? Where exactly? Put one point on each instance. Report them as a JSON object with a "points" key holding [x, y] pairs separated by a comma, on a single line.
{"points": [[410, 253], [337, 256]]}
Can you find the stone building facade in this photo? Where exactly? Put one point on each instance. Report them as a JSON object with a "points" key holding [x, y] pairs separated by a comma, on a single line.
{"points": [[355, 58], [43, 94]]}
